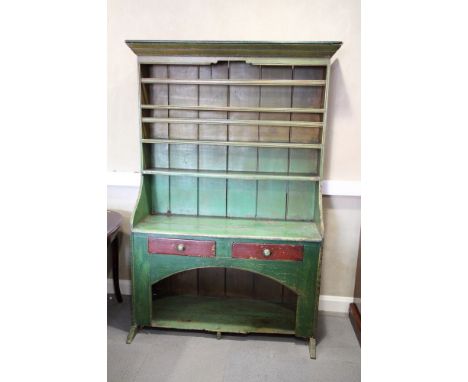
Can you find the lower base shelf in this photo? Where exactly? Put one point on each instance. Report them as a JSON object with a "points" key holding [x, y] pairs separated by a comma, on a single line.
{"points": [[216, 314]]}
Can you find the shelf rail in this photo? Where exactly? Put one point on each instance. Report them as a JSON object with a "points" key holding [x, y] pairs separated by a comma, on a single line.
{"points": [[299, 110], [259, 122], [232, 174], [165, 81], [288, 145]]}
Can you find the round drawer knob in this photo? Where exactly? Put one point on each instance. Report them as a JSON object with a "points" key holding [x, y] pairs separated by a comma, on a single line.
{"points": [[266, 252], [180, 247]]}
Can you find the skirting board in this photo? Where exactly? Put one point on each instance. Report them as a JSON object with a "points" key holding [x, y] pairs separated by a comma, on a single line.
{"points": [[338, 304]]}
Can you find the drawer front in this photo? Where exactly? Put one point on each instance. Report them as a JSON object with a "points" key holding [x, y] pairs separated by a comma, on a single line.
{"points": [[267, 251], [201, 248]]}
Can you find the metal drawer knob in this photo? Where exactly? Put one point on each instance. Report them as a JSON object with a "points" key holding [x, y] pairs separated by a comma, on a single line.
{"points": [[180, 247], [266, 252]]}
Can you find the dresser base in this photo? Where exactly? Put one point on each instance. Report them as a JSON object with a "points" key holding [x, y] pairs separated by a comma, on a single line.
{"points": [[222, 315]]}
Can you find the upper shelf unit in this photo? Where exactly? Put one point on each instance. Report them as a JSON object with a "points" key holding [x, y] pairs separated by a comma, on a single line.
{"points": [[223, 115], [234, 129]]}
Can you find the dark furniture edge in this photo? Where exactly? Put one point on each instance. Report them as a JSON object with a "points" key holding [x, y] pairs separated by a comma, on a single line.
{"points": [[355, 317]]}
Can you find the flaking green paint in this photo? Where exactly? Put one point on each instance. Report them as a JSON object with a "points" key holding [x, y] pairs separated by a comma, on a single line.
{"points": [[295, 275], [259, 183]]}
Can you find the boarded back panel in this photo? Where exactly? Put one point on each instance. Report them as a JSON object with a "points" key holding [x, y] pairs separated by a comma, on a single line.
{"points": [[160, 183], [212, 192], [289, 298], [160, 189], [211, 282], [185, 283], [183, 191], [271, 200], [301, 200], [266, 289], [242, 195], [158, 95], [239, 283], [311, 97]]}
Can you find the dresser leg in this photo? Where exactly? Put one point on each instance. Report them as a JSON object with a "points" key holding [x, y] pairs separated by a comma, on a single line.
{"points": [[115, 266], [312, 348], [132, 333]]}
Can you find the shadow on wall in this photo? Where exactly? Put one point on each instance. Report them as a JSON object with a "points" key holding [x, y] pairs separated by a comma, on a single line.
{"points": [[342, 219], [338, 102]]}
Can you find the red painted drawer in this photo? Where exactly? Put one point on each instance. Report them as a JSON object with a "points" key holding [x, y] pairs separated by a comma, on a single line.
{"points": [[267, 251], [201, 248]]}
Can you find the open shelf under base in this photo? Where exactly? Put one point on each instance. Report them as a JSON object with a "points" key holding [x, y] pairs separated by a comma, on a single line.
{"points": [[222, 314]]}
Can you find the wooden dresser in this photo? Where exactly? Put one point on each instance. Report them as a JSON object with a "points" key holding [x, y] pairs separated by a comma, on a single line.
{"points": [[232, 138]]}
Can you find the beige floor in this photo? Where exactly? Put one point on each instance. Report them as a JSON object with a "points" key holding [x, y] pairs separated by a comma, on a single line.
{"points": [[170, 355]]}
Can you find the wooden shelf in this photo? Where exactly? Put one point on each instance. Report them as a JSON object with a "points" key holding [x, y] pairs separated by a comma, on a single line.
{"points": [[300, 110], [255, 122], [216, 314], [165, 81], [222, 227], [232, 174], [317, 146]]}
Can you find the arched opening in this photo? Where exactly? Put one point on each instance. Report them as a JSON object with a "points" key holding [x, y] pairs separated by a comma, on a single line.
{"points": [[223, 299]]}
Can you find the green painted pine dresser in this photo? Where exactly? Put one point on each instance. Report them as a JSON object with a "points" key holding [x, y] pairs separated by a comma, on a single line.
{"points": [[232, 149]]}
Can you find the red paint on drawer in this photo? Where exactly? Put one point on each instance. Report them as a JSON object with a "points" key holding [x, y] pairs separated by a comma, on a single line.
{"points": [[201, 248], [260, 251]]}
